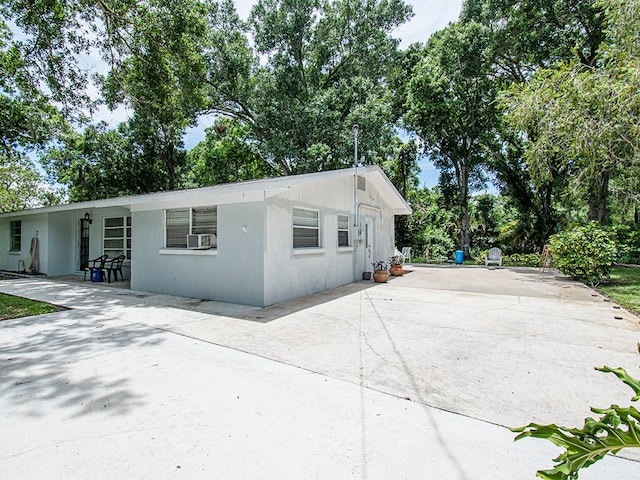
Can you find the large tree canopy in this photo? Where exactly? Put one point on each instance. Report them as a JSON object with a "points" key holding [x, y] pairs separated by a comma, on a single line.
{"points": [[451, 105], [323, 69], [585, 118]]}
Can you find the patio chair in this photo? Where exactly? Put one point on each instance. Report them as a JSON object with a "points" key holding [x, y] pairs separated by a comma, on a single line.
{"points": [[406, 253], [115, 265], [494, 256], [95, 264]]}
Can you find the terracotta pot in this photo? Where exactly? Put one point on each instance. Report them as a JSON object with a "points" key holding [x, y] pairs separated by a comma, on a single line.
{"points": [[396, 270], [381, 276]]}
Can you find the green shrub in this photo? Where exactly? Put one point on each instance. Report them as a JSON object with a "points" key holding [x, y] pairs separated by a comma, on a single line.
{"points": [[584, 253], [627, 243], [480, 256], [514, 260], [521, 260]]}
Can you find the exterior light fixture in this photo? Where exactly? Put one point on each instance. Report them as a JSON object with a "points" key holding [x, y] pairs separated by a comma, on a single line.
{"points": [[87, 217]]}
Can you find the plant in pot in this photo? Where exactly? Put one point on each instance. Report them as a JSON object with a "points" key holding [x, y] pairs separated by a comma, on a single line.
{"points": [[380, 271], [396, 269]]}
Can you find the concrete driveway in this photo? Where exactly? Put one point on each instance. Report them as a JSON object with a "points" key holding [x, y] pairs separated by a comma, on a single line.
{"points": [[417, 378]]}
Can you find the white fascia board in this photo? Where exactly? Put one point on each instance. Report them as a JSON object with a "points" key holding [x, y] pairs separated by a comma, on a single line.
{"points": [[388, 191], [198, 199]]}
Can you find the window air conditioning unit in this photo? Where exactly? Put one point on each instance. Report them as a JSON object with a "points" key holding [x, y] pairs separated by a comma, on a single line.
{"points": [[199, 241]]}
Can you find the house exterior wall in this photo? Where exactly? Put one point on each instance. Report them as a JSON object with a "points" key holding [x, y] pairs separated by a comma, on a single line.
{"points": [[61, 243], [30, 224], [292, 273], [233, 272]]}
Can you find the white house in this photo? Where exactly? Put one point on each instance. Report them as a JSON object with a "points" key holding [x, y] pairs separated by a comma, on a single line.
{"points": [[261, 242]]}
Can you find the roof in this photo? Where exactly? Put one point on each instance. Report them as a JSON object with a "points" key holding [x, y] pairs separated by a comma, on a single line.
{"points": [[234, 192]]}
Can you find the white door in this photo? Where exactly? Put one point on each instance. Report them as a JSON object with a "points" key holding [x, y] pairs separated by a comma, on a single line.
{"points": [[369, 243]]}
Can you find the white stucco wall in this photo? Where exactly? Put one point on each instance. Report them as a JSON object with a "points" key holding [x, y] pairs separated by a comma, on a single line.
{"points": [[232, 273], [30, 224], [292, 273]]}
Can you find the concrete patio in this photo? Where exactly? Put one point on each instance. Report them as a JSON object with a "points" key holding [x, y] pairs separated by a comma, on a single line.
{"points": [[415, 378]]}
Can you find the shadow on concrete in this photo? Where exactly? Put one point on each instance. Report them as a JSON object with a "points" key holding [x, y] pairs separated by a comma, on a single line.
{"points": [[35, 364], [416, 396], [81, 295]]}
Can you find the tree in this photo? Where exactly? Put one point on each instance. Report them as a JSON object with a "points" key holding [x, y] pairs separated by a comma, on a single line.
{"points": [[324, 70], [27, 121], [525, 37], [22, 187], [226, 155], [451, 105], [585, 119], [97, 163]]}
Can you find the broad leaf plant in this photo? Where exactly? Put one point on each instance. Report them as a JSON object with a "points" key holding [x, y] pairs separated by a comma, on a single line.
{"points": [[614, 429]]}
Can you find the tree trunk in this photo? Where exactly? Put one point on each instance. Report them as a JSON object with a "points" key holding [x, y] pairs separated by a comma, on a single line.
{"points": [[465, 230], [598, 195]]}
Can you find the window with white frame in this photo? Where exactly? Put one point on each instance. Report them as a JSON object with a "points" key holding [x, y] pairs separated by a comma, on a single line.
{"points": [[306, 228], [15, 244], [343, 230], [117, 237], [181, 222]]}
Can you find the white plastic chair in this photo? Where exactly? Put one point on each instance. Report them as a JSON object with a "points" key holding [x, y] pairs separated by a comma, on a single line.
{"points": [[406, 253], [494, 256]]}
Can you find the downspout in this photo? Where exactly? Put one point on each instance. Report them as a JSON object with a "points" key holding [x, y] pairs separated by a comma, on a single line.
{"points": [[355, 200]]}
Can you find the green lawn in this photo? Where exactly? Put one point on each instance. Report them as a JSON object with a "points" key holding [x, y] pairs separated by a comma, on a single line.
{"points": [[16, 307], [623, 288]]}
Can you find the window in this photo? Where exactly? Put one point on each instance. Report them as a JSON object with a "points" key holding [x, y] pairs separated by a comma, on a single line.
{"points": [[117, 237], [343, 230], [306, 230], [181, 222], [15, 244]]}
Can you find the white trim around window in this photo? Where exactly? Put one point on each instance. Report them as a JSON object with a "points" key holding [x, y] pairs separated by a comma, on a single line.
{"points": [[15, 237], [180, 222], [306, 228], [344, 237], [116, 236]]}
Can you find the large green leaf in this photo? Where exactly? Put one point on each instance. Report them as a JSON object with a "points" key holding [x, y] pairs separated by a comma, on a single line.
{"points": [[615, 429]]}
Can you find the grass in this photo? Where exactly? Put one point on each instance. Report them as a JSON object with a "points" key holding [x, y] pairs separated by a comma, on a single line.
{"points": [[623, 288], [17, 307]]}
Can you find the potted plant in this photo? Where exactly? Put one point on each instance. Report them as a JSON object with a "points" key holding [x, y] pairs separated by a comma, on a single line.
{"points": [[380, 271], [396, 268]]}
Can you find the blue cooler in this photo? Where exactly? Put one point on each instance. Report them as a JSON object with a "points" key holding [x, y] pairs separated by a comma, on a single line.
{"points": [[459, 257], [96, 275]]}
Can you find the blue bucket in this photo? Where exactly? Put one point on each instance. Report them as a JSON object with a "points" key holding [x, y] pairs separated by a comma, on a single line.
{"points": [[459, 257], [96, 275]]}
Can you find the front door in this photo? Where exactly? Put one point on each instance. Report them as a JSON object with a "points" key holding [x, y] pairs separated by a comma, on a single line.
{"points": [[369, 244], [84, 243]]}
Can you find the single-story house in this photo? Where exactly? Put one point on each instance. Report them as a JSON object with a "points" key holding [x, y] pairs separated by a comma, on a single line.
{"points": [[257, 243]]}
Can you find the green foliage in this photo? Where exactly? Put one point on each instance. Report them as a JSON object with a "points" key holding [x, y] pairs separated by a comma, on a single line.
{"points": [[226, 155], [627, 240], [431, 226], [615, 428], [324, 69], [21, 185], [513, 260], [451, 105], [585, 253]]}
